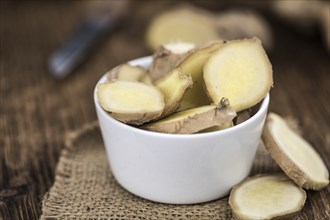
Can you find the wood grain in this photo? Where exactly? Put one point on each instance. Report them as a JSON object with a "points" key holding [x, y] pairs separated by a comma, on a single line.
{"points": [[37, 110]]}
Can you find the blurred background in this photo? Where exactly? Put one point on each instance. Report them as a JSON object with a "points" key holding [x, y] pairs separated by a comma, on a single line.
{"points": [[52, 53]]}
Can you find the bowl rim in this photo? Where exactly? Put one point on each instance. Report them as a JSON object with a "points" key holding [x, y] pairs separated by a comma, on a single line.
{"points": [[143, 62]]}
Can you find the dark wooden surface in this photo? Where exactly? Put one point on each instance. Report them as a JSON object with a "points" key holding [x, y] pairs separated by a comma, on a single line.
{"points": [[37, 110]]}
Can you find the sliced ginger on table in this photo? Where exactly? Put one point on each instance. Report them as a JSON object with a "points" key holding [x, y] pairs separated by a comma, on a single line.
{"points": [[267, 196], [296, 157]]}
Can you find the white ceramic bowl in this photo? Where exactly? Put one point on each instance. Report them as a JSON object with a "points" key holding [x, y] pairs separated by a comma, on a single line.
{"points": [[176, 168]]}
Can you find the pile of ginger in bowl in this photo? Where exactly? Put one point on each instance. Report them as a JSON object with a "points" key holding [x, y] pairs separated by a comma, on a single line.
{"points": [[183, 127]]}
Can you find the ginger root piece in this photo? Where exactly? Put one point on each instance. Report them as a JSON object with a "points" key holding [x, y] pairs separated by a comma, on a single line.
{"points": [[167, 57], [194, 120], [131, 73], [242, 116], [266, 197], [293, 124], [193, 65], [217, 127], [131, 102], [197, 26], [146, 79], [238, 24], [112, 74], [186, 24], [296, 157], [240, 71], [173, 86], [127, 72], [179, 47]]}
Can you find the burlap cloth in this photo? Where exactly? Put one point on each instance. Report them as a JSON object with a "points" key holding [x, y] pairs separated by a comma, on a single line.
{"points": [[84, 187]]}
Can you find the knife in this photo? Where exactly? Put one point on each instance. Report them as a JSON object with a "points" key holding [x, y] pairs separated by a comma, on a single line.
{"points": [[86, 36]]}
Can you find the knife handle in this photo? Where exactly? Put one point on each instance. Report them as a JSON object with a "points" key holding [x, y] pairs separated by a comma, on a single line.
{"points": [[80, 44]]}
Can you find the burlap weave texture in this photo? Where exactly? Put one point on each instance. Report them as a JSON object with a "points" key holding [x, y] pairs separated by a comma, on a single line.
{"points": [[84, 187]]}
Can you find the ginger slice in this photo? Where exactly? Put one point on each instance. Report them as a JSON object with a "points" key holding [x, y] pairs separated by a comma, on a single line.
{"points": [[296, 157], [242, 116], [173, 85], [193, 65], [131, 73], [187, 24], [266, 197], [127, 72], [240, 70], [179, 47], [167, 57], [217, 127], [131, 102], [146, 79], [194, 120]]}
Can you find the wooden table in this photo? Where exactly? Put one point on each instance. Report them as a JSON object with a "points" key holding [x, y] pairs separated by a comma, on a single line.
{"points": [[36, 110]]}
